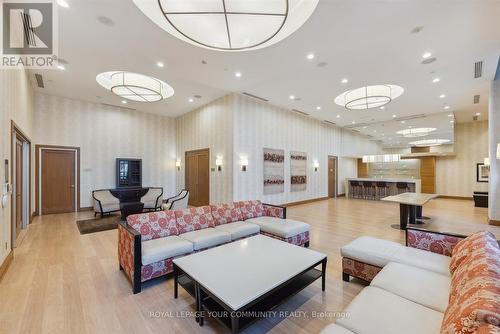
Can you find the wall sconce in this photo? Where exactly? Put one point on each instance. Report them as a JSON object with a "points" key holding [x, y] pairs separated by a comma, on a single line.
{"points": [[487, 162], [315, 165], [178, 164], [498, 151], [243, 163], [218, 163]]}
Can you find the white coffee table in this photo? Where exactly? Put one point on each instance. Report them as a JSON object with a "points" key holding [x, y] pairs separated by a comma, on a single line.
{"points": [[242, 278]]}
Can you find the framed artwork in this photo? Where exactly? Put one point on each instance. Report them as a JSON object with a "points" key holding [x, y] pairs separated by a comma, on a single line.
{"points": [[482, 172], [274, 171], [298, 171]]}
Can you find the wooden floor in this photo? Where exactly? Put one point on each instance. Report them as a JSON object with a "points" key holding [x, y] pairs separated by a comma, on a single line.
{"points": [[64, 282]]}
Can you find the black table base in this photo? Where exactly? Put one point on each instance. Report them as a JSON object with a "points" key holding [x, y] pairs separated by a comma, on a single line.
{"points": [[130, 208], [409, 214]]}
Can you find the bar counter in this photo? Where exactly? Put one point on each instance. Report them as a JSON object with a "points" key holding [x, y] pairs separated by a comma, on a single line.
{"points": [[415, 184]]}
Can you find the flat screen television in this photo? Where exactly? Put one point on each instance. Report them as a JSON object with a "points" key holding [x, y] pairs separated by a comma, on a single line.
{"points": [[128, 173]]}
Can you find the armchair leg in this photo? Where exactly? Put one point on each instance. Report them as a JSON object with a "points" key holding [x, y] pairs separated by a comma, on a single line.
{"points": [[345, 277], [137, 287], [306, 245]]}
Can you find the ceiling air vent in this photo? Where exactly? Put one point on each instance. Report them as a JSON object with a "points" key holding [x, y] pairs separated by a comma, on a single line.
{"points": [[119, 107], [478, 69], [328, 122], [357, 125], [476, 99], [406, 118], [39, 81], [300, 112], [255, 97]]}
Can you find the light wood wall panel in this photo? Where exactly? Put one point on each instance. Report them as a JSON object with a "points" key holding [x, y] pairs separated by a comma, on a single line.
{"points": [[428, 174], [105, 133], [362, 168]]}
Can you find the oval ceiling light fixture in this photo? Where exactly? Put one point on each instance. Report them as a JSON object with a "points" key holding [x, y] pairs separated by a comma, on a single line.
{"points": [[429, 142], [134, 86], [415, 132], [369, 96], [229, 25]]}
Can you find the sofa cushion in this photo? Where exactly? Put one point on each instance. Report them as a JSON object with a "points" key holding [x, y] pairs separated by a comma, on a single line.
{"points": [[192, 219], [463, 248], [488, 329], [163, 248], [335, 329], [250, 209], [377, 311], [284, 228], [110, 207], [225, 213], [371, 250], [154, 225], [423, 259], [475, 291], [205, 238], [409, 282], [239, 229]]}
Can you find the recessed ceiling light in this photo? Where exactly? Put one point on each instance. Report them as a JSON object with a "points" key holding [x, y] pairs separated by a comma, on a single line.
{"points": [[446, 107], [63, 3], [374, 130], [364, 127], [442, 96], [436, 80], [403, 122], [292, 97], [450, 115], [338, 116], [61, 67], [394, 116], [237, 74], [478, 114], [426, 55], [383, 134], [382, 108], [344, 81], [191, 99], [124, 102], [318, 108], [353, 122], [452, 121], [310, 56], [160, 64]]}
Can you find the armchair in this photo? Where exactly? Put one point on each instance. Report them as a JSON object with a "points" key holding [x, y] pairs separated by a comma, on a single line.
{"points": [[152, 199], [179, 201], [104, 202]]}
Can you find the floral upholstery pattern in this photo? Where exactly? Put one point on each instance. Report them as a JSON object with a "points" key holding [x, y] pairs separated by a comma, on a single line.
{"points": [[488, 329], [251, 209], [154, 225], [157, 269], [359, 269], [478, 240], [274, 211], [193, 219], [432, 242], [225, 213], [475, 287], [300, 239], [126, 251]]}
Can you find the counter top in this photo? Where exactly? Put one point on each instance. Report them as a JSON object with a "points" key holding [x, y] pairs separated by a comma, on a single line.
{"points": [[375, 179]]}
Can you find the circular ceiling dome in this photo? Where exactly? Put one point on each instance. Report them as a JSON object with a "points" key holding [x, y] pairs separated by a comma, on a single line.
{"points": [[415, 132], [369, 96], [229, 25], [429, 142], [134, 86]]}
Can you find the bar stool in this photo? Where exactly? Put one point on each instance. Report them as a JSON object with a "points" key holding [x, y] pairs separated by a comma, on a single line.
{"points": [[382, 187], [402, 187], [355, 189], [369, 190]]}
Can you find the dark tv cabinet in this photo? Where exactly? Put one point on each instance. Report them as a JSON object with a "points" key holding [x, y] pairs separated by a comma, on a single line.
{"points": [[128, 173]]}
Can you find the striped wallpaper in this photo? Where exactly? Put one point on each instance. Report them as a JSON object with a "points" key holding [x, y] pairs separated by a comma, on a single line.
{"points": [[105, 133], [456, 175]]}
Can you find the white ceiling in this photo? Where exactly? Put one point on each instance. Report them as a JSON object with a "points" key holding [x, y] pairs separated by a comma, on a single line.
{"points": [[368, 42]]}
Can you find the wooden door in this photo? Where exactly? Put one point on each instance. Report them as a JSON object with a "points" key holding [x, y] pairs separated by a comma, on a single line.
{"points": [[58, 181], [197, 178], [428, 174], [19, 184], [332, 177]]}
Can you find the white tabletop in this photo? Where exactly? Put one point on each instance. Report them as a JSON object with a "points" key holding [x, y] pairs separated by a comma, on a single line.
{"points": [[241, 271], [410, 198]]}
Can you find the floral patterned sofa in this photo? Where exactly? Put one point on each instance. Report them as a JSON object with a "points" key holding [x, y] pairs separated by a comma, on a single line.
{"points": [[148, 242], [417, 295]]}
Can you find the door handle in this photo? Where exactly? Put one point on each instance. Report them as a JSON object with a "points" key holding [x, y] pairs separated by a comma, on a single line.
{"points": [[72, 186]]}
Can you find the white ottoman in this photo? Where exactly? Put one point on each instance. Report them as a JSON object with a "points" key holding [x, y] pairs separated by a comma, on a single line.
{"points": [[288, 230]]}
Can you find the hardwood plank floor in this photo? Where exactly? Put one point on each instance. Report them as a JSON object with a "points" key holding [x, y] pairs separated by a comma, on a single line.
{"points": [[64, 282]]}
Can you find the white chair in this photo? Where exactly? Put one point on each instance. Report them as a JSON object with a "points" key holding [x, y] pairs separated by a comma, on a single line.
{"points": [[179, 201], [153, 198], [105, 202]]}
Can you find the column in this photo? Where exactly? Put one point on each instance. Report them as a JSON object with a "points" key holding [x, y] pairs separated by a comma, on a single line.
{"points": [[494, 140]]}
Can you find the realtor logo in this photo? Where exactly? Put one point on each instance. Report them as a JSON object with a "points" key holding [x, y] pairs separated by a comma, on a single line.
{"points": [[28, 34]]}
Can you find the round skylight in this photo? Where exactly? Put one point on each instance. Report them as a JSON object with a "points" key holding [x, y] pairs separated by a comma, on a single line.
{"points": [[229, 25], [429, 142], [135, 87], [415, 132], [368, 97]]}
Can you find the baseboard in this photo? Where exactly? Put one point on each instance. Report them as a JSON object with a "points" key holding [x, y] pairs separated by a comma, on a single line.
{"points": [[341, 195], [87, 208], [456, 197], [5, 265], [494, 222], [33, 214], [305, 201]]}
